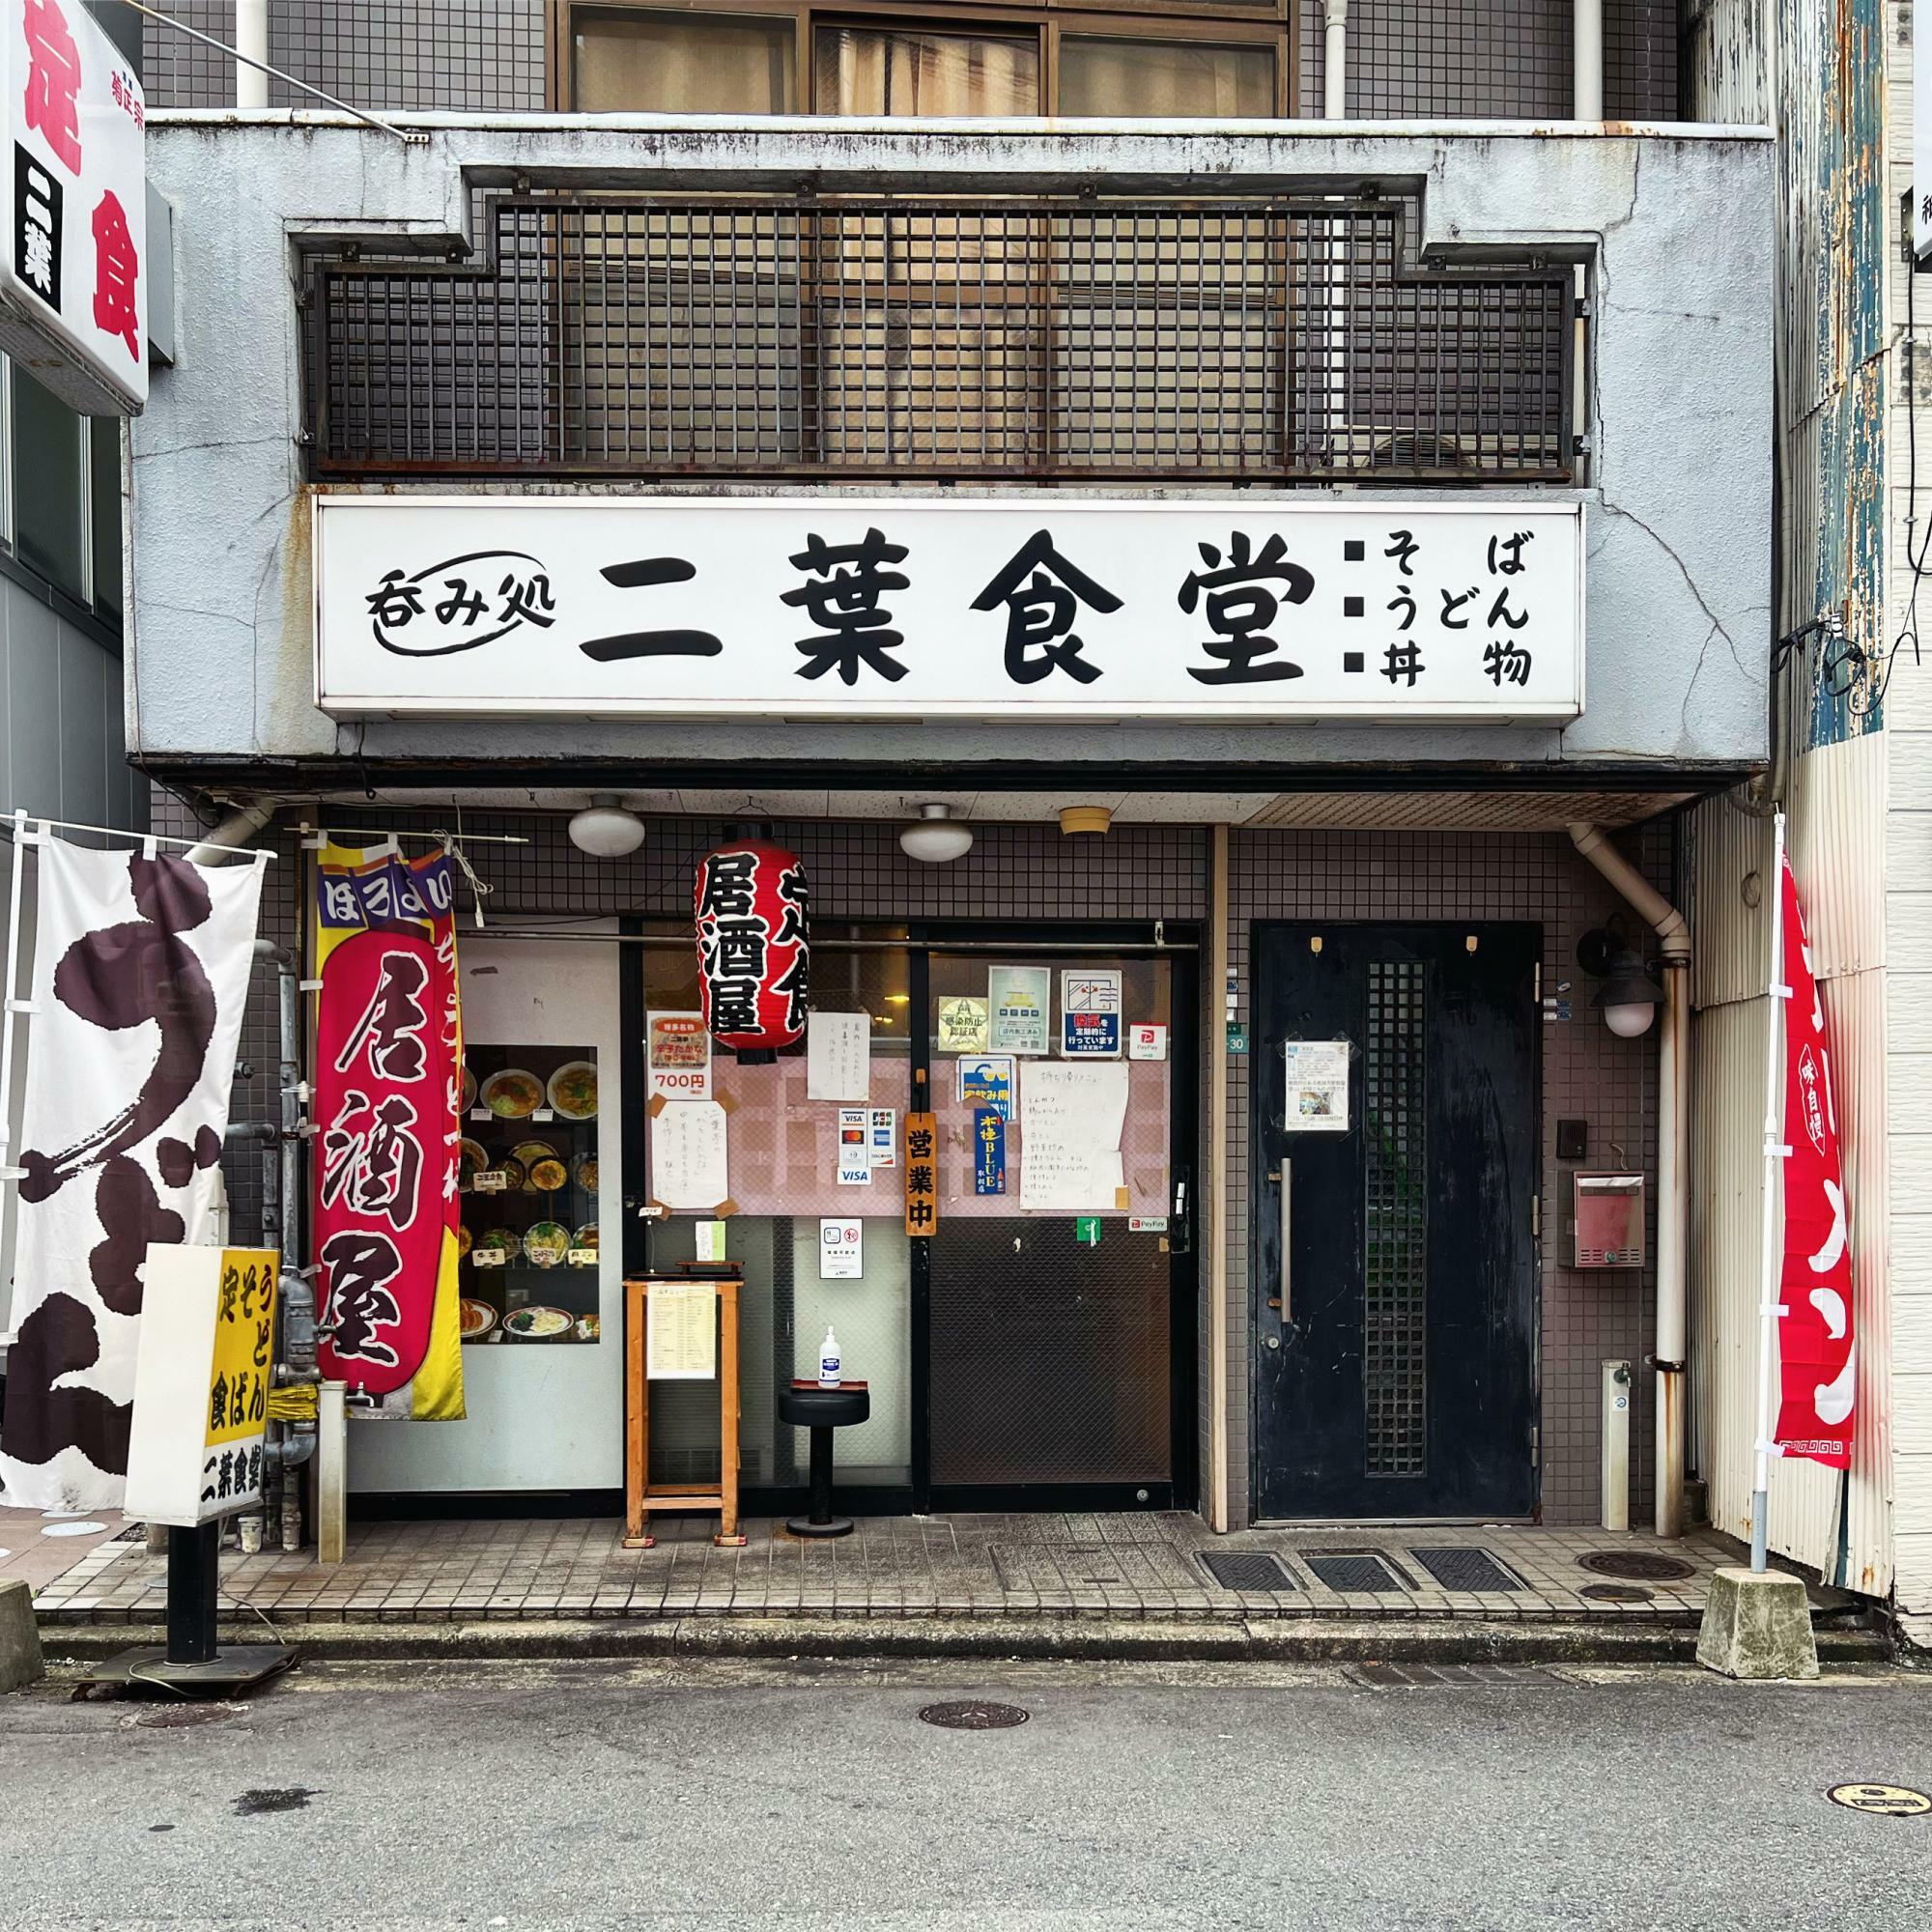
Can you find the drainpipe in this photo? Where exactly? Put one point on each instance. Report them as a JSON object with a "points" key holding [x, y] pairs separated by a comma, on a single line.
{"points": [[1673, 1161], [251, 42], [1216, 1220], [1586, 77], [236, 830], [1335, 62]]}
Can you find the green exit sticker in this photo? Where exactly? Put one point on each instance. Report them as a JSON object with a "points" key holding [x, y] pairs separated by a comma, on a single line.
{"points": [[1087, 1230], [1238, 1037]]}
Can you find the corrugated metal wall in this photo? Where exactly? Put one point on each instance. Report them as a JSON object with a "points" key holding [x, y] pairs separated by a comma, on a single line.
{"points": [[1819, 71]]}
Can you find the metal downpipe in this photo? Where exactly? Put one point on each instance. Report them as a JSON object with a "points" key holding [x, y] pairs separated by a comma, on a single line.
{"points": [[1335, 62], [1673, 1163]]}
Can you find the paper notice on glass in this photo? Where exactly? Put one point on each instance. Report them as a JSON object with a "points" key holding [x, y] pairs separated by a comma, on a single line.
{"points": [[1071, 1118], [1019, 997], [838, 1057], [681, 1327], [1318, 1087], [689, 1169], [963, 1025]]}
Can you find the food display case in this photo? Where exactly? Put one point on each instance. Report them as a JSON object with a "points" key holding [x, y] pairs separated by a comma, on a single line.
{"points": [[528, 1184]]}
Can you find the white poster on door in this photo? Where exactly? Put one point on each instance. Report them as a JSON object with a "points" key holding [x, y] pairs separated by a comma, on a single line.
{"points": [[1318, 1087], [838, 1057], [1073, 1114], [690, 1171]]}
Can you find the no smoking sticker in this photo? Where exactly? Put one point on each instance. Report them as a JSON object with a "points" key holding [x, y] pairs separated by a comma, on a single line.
{"points": [[1885, 1801]]}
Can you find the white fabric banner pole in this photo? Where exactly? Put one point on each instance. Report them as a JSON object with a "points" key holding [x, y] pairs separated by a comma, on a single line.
{"points": [[1771, 1251]]}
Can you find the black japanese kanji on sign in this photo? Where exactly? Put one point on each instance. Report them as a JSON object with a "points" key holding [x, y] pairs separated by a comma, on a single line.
{"points": [[1240, 609], [1039, 612], [856, 628]]}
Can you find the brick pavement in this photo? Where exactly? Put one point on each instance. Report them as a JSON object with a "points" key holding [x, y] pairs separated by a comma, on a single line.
{"points": [[1001, 1566]]}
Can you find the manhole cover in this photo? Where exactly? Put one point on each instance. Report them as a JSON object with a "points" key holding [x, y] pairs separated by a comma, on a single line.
{"points": [[1247, 1570], [179, 1716], [1885, 1801], [1641, 1566], [973, 1714], [1614, 1593]]}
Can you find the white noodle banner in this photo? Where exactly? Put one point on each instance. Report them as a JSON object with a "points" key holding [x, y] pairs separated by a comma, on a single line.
{"points": [[141, 966]]}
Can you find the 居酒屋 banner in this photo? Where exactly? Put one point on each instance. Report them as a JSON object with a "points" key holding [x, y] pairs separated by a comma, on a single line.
{"points": [[141, 967], [388, 1073]]}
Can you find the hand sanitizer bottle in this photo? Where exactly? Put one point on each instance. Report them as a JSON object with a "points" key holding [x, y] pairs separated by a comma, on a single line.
{"points": [[829, 1365]]}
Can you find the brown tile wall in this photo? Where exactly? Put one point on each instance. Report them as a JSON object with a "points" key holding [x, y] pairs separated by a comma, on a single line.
{"points": [[1033, 872]]}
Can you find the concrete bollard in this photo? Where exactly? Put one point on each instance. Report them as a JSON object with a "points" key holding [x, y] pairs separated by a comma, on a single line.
{"points": [[1757, 1623], [21, 1659]]}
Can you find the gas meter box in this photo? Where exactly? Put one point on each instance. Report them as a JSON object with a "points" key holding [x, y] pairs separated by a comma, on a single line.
{"points": [[1607, 1220]]}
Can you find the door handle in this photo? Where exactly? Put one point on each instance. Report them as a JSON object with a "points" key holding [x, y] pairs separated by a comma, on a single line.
{"points": [[1286, 1231]]}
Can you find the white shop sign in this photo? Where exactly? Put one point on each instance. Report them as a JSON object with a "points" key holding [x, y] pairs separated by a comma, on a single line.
{"points": [[74, 270], [1041, 608]]}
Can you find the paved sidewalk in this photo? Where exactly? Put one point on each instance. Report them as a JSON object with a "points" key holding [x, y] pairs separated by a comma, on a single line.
{"points": [[990, 1566]]}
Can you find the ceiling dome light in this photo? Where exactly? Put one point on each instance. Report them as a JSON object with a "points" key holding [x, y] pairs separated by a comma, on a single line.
{"points": [[606, 830], [937, 838]]}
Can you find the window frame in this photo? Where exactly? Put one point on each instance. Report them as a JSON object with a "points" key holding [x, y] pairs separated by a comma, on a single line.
{"points": [[1213, 22]]}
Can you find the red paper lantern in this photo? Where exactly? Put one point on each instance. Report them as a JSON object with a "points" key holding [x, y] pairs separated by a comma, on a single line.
{"points": [[752, 902]]}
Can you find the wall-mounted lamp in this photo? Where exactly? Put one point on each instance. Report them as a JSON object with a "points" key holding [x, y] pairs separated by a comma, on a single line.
{"points": [[1629, 998], [936, 837]]}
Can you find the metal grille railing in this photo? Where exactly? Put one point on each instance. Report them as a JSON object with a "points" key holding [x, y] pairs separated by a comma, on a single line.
{"points": [[1395, 1274], [1273, 340]]}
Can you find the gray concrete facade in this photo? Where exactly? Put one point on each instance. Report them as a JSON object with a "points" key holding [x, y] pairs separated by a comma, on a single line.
{"points": [[1677, 507]]}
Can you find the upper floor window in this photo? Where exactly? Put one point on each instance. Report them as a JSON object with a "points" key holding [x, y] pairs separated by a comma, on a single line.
{"points": [[60, 510], [1212, 58]]}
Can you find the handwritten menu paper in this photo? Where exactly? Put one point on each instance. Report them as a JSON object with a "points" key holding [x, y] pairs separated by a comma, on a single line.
{"points": [[1073, 1114], [681, 1333], [838, 1057], [689, 1169]]}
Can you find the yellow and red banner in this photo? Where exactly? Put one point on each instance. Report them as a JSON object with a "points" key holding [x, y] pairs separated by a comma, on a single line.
{"points": [[388, 1095]]}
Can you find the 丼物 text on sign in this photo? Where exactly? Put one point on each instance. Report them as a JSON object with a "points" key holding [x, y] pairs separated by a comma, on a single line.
{"points": [[922, 607]]}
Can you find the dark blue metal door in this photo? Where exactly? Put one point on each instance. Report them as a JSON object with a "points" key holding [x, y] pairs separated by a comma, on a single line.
{"points": [[1394, 1354]]}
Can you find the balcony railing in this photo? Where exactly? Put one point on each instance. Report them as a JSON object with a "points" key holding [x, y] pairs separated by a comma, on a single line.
{"points": [[1050, 340]]}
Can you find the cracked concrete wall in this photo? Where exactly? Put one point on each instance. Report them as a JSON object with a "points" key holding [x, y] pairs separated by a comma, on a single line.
{"points": [[1675, 220]]}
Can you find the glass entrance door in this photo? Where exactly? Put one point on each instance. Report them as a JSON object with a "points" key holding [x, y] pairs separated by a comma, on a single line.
{"points": [[1049, 1335]]}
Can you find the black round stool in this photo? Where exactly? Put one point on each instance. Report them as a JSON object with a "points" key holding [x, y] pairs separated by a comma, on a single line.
{"points": [[814, 1407]]}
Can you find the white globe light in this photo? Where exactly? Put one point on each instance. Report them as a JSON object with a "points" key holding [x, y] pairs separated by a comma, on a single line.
{"points": [[1627, 1022], [606, 830], [936, 837]]}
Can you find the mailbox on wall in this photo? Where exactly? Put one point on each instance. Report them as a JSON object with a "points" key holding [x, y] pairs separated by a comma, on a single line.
{"points": [[1607, 1220]]}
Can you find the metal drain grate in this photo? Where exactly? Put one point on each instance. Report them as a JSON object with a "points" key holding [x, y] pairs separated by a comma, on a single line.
{"points": [[1247, 1570], [1359, 1571], [973, 1714], [1614, 1593], [1458, 1566], [1638, 1566]]}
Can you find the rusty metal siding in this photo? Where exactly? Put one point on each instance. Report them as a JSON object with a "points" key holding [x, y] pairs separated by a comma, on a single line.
{"points": [[1837, 798]]}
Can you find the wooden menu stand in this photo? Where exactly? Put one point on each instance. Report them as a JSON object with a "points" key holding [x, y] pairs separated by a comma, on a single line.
{"points": [[640, 1495]]}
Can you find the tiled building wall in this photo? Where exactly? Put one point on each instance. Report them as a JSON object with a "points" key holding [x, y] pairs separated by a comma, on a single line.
{"points": [[1406, 58], [1587, 1072], [1492, 59], [1141, 873], [486, 55]]}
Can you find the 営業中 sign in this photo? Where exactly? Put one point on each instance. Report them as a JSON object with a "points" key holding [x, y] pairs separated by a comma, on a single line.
{"points": [[930, 607], [73, 276], [202, 1378]]}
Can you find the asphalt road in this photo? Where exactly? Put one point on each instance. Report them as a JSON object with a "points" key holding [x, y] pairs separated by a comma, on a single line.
{"points": [[754, 1797]]}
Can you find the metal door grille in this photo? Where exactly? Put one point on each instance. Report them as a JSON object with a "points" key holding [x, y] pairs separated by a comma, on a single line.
{"points": [[1395, 1245], [1281, 340]]}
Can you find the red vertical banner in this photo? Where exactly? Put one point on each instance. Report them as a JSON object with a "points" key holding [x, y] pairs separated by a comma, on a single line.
{"points": [[1816, 1346], [387, 1100]]}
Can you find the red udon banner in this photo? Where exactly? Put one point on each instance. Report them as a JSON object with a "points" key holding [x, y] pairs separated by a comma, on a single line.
{"points": [[1819, 1373]]}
